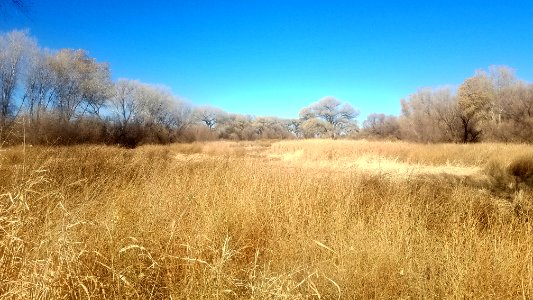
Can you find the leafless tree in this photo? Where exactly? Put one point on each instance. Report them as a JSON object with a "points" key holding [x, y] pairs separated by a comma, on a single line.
{"points": [[142, 110], [13, 52], [270, 128], [430, 115], [503, 80], [208, 115], [515, 120], [381, 126], [475, 99], [237, 127], [316, 128], [124, 105], [339, 117], [294, 126], [81, 85], [38, 84]]}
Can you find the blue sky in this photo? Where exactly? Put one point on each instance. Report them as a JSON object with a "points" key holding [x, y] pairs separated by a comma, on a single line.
{"points": [[274, 57]]}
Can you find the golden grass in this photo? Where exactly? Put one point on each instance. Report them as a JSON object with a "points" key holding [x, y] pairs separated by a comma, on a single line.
{"points": [[429, 154], [229, 220]]}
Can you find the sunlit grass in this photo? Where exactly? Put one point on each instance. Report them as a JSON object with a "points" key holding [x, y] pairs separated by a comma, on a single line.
{"points": [[433, 154], [231, 220]]}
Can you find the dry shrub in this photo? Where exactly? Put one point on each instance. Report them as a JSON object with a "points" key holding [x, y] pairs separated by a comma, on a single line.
{"points": [[48, 130], [513, 176], [522, 169], [197, 133], [499, 178]]}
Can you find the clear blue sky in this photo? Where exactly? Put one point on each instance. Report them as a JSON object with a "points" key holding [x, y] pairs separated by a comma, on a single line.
{"points": [[274, 57]]}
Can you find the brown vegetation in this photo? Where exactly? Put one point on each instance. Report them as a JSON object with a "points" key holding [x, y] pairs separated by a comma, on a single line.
{"points": [[234, 221], [490, 106]]}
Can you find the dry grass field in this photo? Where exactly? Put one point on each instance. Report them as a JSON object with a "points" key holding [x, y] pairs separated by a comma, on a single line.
{"points": [[267, 220]]}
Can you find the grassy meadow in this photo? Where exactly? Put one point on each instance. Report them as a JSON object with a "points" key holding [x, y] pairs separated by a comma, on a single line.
{"points": [[311, 219]]}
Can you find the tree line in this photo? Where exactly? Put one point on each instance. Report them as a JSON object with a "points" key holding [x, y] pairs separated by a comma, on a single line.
{"points": [[67, 97], [492, 105]]}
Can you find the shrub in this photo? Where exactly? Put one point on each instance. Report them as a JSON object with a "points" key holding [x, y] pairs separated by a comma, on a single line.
{"points": [[521, 169]]}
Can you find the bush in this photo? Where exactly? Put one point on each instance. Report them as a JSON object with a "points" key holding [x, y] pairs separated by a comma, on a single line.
{"points": [[521, 169], [499, 178]]}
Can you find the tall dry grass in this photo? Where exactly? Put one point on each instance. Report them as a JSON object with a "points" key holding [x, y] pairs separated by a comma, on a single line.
{"points": [[223, 221], [432, 154]]}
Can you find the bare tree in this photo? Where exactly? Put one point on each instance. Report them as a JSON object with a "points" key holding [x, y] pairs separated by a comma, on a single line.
{"points": [[515, 122], [156, 106], [316, 128], [339, 116], [81, 85], [381, 126], [38, 84], [519, 104], [125, 106], [430, 115], [13, 50], [493, 104], [237, 127], [142, 111], [294, 126], [475, 98], [503, 80], [182, 116], [97, 87], [270, 128], [208, 115]]}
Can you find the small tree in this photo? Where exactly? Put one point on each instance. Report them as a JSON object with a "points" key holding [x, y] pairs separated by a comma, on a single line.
{"points": [[475, 98]]}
